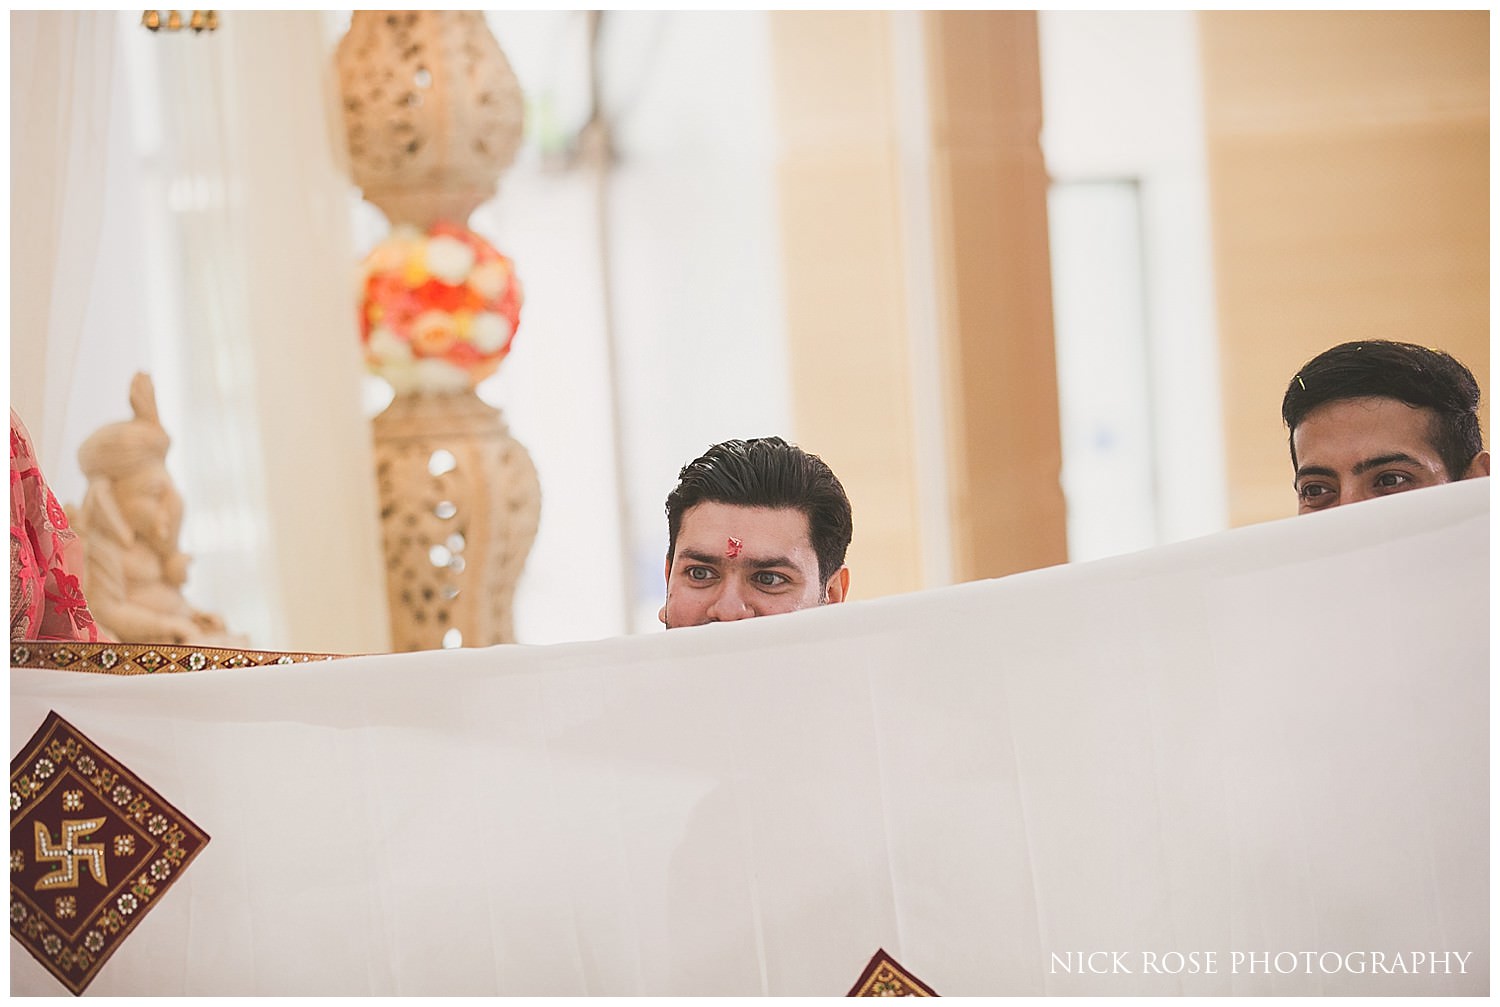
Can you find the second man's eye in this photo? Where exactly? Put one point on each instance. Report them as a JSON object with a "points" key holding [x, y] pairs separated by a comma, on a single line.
{"points": [[699, 573], [1314, 493], [765, 578]]}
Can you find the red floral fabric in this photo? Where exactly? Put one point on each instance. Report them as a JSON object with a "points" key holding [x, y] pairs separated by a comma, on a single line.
{"points": [[46, 600]]}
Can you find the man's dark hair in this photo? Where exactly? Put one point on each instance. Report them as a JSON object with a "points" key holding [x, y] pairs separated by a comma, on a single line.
{"points": [[768, 472], [1427, 379]]}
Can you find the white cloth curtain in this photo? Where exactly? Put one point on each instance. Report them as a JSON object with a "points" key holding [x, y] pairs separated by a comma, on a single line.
{"points": [[239, 248], [1273, 740]]}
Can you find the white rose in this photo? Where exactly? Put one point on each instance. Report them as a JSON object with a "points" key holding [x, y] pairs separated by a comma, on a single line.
{"points": [[388, 346], [489, 280], [449, 259], [490, 331]]}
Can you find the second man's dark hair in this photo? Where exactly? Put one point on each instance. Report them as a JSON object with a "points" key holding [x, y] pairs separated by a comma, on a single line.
{"points": [[1416, 375]]}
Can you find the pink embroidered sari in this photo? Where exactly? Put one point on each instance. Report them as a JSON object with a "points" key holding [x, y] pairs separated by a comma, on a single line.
{"points": [[46, 601]]}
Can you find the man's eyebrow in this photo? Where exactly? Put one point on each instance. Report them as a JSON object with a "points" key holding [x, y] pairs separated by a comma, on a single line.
{"points": [[1316, 470], [770, 562], [1370, 463], [755, 563]]}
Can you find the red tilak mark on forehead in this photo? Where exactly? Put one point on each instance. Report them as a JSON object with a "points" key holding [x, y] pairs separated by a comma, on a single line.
{"points": [[733, 548]]}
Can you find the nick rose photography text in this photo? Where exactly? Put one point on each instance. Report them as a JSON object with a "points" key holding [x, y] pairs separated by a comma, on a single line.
{"points": [[1260, 962]]}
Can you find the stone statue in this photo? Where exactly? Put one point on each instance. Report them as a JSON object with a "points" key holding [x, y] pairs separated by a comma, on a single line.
{"points": [[129, 522]]}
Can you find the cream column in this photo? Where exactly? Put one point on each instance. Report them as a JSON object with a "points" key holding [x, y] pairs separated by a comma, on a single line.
{"points": [[849, 282], [839, 186], [994, 284]]}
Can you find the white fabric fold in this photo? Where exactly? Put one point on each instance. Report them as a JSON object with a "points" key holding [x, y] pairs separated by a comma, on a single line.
{"points": [[1271, 740]]}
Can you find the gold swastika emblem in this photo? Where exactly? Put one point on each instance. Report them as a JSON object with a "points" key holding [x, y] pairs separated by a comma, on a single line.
{"points": [[69, 853], [108, 847]]}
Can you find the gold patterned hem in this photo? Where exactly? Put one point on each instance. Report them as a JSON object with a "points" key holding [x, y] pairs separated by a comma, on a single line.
{"points": [[146, 658]]}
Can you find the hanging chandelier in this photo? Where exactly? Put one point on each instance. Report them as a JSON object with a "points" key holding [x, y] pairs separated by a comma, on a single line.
{"points": [[198, 21]]}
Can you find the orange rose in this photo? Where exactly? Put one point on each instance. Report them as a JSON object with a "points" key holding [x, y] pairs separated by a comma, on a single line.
{"points": [[463, 355], [432, 334], [397, 304]]}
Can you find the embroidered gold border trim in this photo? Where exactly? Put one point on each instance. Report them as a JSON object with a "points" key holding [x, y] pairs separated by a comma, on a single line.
{"points": [[884, 977], [145, 658], [93, 849]]}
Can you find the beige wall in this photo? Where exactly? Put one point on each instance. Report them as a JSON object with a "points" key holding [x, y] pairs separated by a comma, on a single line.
{"points": [[1349, 170]]}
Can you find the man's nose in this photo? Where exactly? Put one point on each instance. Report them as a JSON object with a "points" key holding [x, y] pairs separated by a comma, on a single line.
{"points": [[731, 604]]}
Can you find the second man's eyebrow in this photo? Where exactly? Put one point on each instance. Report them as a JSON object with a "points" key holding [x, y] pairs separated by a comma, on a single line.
{"points": [[1316, 470], [1370, 463]]}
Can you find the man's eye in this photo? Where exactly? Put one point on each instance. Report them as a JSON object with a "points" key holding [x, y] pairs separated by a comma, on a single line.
{"points": [[1316, 495], [765, 578], [698, 573], [1391, 480]]}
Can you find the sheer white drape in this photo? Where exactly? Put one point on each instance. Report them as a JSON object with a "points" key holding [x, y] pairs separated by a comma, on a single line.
{"points": [[240, 250], [258, 243], [62, 71]]}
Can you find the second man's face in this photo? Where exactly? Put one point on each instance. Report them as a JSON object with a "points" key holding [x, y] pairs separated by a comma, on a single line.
{"points": [[734, 562], [1350, 450]]}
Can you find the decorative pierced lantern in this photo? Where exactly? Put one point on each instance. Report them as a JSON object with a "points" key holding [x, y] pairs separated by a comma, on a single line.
{"points": [[433, 115], [433, 112]]}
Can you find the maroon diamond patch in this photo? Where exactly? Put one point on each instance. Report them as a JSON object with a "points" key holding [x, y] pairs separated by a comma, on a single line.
{"points": [[884, 977], [92, 851]]}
